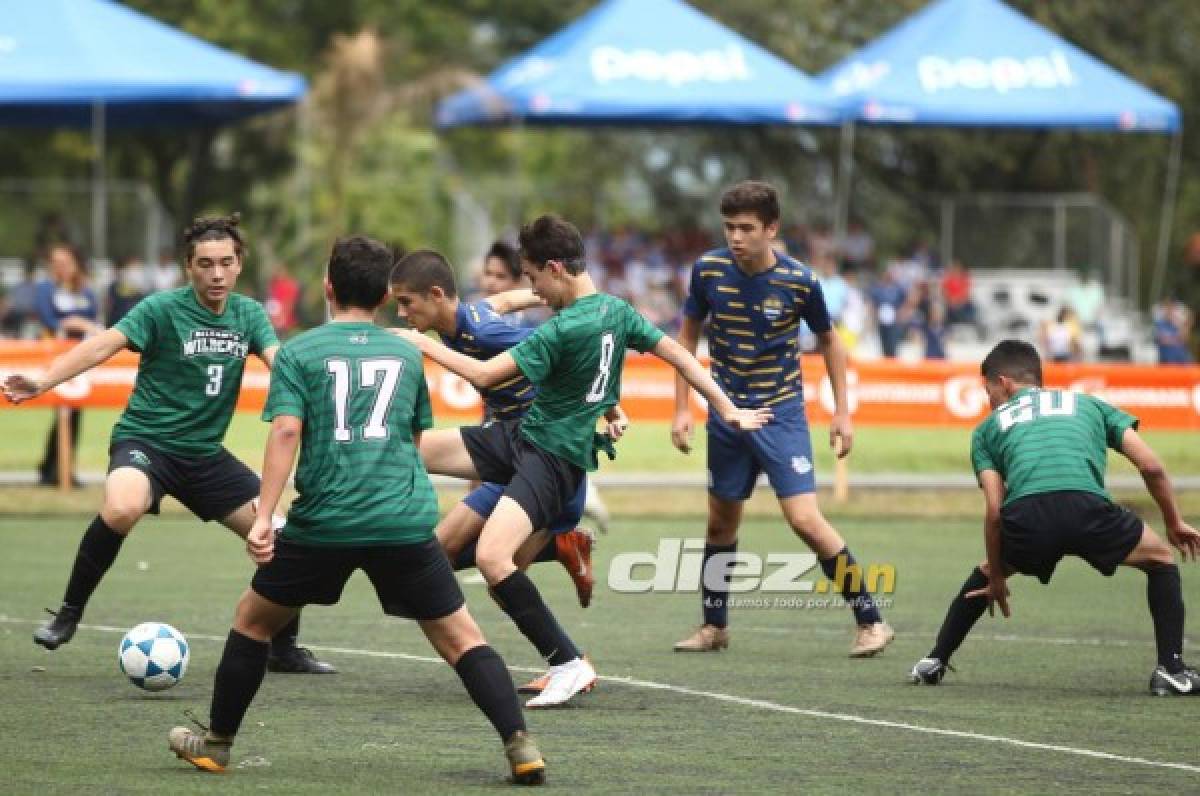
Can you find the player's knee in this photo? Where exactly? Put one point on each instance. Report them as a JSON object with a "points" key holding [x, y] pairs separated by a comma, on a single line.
{"points": [[121, 514]]}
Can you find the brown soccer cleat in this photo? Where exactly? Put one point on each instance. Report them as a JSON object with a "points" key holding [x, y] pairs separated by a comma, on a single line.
{"points": [[708, 638], [871, 639], [524, 760], [575, 553]]}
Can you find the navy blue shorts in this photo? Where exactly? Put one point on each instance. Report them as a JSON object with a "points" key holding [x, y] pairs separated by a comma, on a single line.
{"points": [[782, 449], [483, 499]]}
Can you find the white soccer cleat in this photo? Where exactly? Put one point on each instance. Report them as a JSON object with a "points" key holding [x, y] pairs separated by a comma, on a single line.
{"points": [[566, 680]]}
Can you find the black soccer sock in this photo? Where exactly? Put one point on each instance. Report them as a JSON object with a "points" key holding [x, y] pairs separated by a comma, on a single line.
{"points": [[549, 551], [1164, 593], [960, 617], [97, 551], [465, 558], [487, 680], [519, 598], [285, 639], [239, 674], [850, 581], [715, 602]]}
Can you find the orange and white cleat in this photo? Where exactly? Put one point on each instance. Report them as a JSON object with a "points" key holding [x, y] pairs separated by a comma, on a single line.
{"points": [[575, 553]]}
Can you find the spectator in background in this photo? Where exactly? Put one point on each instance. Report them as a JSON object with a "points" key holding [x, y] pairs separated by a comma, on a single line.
{"points": [[1062, 339], [832, 285], [125, 290], [933, 326], [20, 313], [956, 291], [854, 312], [887, 298], [67, 309], [164, 274], [858, 247], [1172, 327], [283, 301], [501, 269], [1087, 299]]}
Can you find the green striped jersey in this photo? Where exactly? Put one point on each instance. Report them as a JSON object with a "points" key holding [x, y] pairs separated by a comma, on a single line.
{"points": [[575, 360], [362, 396], [1049, 441], [190, 369]]}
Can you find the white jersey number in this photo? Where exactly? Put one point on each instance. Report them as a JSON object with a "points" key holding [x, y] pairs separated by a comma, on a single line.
{"points": [[600, 383], [216, 373], [382, 375], [1049, 404]]}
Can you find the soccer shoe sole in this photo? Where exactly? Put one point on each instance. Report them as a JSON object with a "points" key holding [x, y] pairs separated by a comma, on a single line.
{"points": [[529, 773]]}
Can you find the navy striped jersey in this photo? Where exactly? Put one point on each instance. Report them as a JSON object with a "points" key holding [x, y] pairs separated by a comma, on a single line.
{"points": [[754, 323], [480, 332], [1049, 441]]}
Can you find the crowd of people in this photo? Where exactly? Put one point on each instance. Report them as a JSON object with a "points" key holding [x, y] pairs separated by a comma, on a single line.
{"points": [[878, 305]]}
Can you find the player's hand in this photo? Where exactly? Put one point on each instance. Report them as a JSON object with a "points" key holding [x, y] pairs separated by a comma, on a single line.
{"points": [[681, 432], [996, 593], [748, 419], [1186, 539], [841, 435], [260, 542], [18, 388], [617, 423], [412, 336]]}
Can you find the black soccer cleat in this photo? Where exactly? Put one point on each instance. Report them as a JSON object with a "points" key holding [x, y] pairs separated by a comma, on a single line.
{"points": [[928, 671], [1185, 682], [297, 660], [60, 629]]}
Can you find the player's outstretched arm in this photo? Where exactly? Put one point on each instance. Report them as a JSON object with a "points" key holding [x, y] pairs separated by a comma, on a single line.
{"points": [[283, 440], [85, 356], [1158, 484], [841, 430], [682, 427], [997, 589], [514, 301], [694, 373], [481, 373]]}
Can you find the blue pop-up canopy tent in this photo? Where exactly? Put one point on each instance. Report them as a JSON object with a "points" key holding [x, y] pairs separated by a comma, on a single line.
{"points": [[96, 63], [980, 63], [643, 62]]}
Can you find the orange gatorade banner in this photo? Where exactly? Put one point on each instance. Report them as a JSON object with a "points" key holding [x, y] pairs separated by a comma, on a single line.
{"points": [[881, 392]]}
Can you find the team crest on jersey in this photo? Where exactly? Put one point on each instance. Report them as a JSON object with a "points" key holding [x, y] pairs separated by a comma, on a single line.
{"points": [[207, 342], [362, 338], [772, 308]]}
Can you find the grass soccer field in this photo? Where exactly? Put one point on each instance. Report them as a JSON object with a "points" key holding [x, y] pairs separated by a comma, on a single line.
{"points": [[1053, 700]]}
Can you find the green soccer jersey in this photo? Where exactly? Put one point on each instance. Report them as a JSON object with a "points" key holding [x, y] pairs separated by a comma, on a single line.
{"points": [[362, 397], [190, 370], [575, 359], [1049, 441]]}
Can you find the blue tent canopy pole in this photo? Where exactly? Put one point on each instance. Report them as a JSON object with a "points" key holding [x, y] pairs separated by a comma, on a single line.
{"points": [[1167, 217], [99, 182]]}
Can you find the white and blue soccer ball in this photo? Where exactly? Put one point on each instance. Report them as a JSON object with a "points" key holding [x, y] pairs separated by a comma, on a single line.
{"points": [[154, 656]]}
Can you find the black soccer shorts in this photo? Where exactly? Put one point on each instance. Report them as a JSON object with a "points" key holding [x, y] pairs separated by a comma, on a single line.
{"points": [[541, 483], [211, 487], [1040, 529], [413, 581]]}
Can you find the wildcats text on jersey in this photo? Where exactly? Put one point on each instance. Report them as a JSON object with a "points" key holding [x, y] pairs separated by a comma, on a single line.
{"points": [[204, 342]]}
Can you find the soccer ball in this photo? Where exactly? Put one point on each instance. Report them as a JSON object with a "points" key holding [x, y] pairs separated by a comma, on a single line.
{"points": [[153, 655]]}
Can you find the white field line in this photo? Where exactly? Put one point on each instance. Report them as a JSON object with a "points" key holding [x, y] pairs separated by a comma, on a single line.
{"points": [[760, 704]]}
